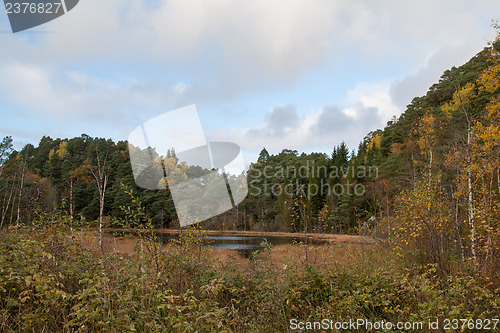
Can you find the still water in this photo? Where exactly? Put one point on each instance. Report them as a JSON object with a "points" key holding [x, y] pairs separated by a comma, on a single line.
{"points": [[243, 244]]}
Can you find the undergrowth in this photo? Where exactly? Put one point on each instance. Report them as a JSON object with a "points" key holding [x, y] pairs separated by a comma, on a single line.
{"points": [[52, 281]]}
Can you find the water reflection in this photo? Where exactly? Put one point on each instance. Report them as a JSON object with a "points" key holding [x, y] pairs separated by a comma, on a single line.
{"points": [[243, 244]]}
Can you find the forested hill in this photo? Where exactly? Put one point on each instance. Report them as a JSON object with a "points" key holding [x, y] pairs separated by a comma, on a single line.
{"points": [[443, 150], [435, 127], [436, 119], [441, 135], [438, 191], [59, 174]]}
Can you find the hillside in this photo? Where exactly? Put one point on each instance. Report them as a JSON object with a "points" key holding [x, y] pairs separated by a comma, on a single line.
{"points": [[424, 193], [433, 174]]}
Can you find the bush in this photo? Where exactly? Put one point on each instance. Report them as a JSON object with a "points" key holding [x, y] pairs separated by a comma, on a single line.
{"points": [[51, 281]]}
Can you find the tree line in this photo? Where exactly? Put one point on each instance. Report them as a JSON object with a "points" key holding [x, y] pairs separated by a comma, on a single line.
{"points": [[83, 176], [429, 181]]}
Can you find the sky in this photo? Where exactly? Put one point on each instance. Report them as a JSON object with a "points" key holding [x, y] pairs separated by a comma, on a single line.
{"points": [[295, 74]]}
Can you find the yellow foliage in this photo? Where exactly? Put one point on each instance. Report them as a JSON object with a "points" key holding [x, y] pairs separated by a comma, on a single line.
{"points": [[460, 98], [63, 149], [375, 141], [427, 131], [423, 218], [490, 79], [51, 153], [396, 148]]}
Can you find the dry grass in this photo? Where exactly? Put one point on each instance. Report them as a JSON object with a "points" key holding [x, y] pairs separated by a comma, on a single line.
{"points": [[55, 281], [339, 250]]}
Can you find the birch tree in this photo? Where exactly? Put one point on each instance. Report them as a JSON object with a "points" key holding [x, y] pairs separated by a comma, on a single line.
{"points": [[461, 103], [5, 151], [100, 172]]}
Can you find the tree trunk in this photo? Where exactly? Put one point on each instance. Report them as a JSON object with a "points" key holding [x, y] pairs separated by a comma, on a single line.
{"points": [[470, 194], [20, 196], [101, 178], [6, 208], [470, 201], [102, 192]]}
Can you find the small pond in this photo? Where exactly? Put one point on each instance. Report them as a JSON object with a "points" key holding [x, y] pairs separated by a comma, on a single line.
{"points": [[241, 243]]}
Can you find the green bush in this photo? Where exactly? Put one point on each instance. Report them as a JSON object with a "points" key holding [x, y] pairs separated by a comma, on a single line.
{"points": [[50, 281]]}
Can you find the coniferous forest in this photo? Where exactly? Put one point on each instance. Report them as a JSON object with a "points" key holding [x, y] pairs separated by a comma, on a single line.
{"points": [[426, 188]]}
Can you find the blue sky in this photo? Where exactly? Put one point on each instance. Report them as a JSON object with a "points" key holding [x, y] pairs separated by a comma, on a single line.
{"points": [[295, 74]]}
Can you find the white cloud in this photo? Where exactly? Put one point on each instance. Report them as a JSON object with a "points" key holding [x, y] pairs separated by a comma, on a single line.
{"points": [[418, 82], [369, 106], [237, 45], [64, 103], [281, 120], [372, 95], [212, 52]]}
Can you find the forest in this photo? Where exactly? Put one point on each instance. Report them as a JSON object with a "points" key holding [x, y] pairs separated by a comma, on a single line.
{"points": [[427, 185]]}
